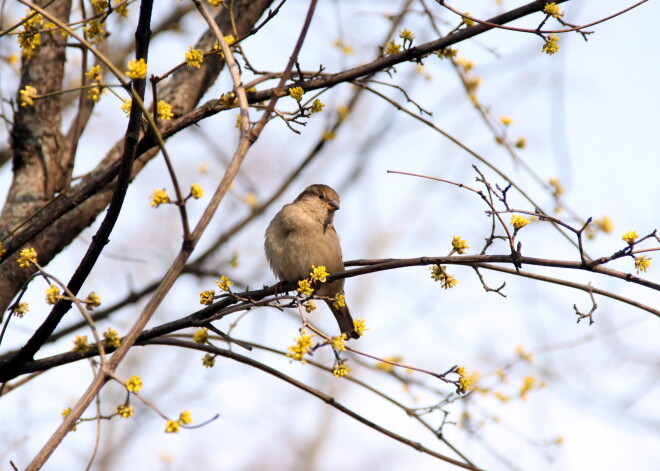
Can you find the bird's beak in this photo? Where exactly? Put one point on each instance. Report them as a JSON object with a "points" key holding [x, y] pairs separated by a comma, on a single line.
{"points": [[332, 206]]}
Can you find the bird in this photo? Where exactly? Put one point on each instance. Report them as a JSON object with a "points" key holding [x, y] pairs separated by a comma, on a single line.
{"points": [[302, 234]]}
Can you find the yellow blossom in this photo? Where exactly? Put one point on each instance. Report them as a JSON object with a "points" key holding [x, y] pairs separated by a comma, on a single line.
{"points": [[317, 106], [52, 294], [466, 64], [251, 199], [528, 384], [27, 257], [80, 344], [388, 367], [446, 53], [559, 441], [521, 143], [406, 35], [437, 272], [196, 191], [134, 384], [94, 93], [309, 306], [468, 22], [159, 197], [464, 385], [465, 419], [296, 93], [328, 135], [21, 309], [94, 31], [340, 370], [28, 95], [468, 382], [32, 20], [224, 284], [2, 249], [338, 342], [501, 374], [302, 346], [342, 112], [392, 48], [29, 41], [518, 221], [11, 59], [524, 355], [551, 47], [194, 57], [642, 263], [125, 411], [421, 70], [449, 282], [360, 326], [215, 3], [208, 360], [95, 73], [229, 40], [630, 237], [112, 338], [506, 120], [446, 280], [65, 414], [305, 287], [126, 107], [553, 10], [472, 83], [172, 426], [50, 26], [605, 224], [100, 5], [201, 336], [557, 188], [137, 69], [339, 301], [345, 48], [319, 273], [206, 297], [502, 397], [93, 300], [459, 245], [185, 417], [229, 100], [30, 38], [121, 10], [165, 110]]}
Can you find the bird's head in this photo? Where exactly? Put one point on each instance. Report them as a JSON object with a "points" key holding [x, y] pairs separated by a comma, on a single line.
{"points": [[322, 200]]}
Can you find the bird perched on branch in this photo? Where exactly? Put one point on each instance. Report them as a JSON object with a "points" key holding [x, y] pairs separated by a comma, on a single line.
{"points": [[301, 235]]}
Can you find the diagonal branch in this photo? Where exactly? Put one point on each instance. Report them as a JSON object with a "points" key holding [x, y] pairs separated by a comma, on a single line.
{"points": [[102, 236], [314, 392], [173, 272]]}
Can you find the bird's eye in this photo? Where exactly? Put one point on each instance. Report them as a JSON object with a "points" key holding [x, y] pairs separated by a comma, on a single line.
{"points": [[321, 196]]}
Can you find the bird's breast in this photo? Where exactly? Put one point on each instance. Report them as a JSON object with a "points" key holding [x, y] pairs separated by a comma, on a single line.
{"points": [[312, 246]]}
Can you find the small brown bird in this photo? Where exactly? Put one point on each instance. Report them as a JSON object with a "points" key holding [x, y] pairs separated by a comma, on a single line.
{"points": [[302, 235]]}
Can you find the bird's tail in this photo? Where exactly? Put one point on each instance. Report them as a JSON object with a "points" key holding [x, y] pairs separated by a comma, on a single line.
{"points": [[344, 319]]}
